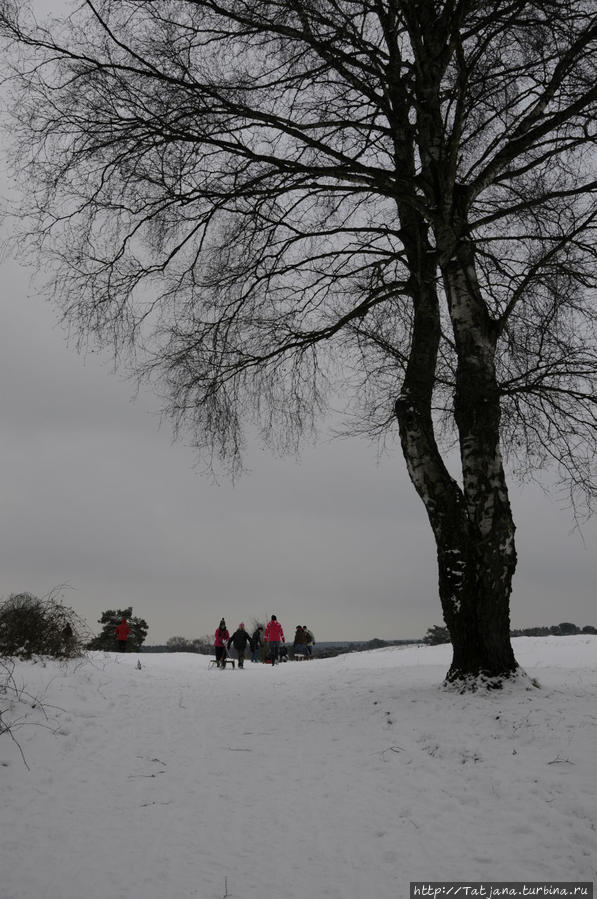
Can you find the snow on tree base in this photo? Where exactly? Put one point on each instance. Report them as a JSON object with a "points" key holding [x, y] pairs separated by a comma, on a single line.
{"points": [[476, 683]]}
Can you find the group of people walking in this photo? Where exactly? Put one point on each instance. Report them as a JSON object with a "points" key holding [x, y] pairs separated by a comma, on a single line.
{"points": [[272, 638]]}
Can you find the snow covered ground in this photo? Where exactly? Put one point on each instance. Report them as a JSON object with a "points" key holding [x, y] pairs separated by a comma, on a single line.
{"points": [[343, 778]]}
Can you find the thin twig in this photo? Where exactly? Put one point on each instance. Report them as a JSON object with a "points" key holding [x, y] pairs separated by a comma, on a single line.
{"points": [[560, 761]]}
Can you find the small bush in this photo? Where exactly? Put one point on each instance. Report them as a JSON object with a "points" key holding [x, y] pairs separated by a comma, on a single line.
{"points": [[31, 626]]}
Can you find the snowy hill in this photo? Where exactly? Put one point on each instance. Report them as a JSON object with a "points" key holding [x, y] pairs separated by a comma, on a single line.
{"points": [[343, 778]]}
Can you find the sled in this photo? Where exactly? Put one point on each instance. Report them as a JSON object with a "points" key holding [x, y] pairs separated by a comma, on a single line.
{"points": [[214, 662], [299, 656]]}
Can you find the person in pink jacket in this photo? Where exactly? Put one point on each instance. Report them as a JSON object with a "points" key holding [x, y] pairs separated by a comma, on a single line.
{"points": [[220, 640], [274, 635]]}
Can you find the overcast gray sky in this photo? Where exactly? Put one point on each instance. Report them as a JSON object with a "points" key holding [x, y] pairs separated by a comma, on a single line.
{"points": [[95, 496]]}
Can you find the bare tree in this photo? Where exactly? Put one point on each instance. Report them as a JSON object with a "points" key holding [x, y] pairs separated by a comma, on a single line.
{"points": [[258, 202]]}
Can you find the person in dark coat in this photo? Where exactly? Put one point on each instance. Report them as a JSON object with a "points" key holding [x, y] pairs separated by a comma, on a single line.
{"points": [[69, 641], [220, 639], [309, 641], [256, 643], [240, 640], [300, 642]]}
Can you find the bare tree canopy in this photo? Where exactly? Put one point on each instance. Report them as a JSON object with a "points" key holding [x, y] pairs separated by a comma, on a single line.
{"points": [[257, 203]]}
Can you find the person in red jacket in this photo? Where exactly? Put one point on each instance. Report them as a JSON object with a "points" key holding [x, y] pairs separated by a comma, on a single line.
{"points": [[274, 635], [220, 640], [122, 632]]}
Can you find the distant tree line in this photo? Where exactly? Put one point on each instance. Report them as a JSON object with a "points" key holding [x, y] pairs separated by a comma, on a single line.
{"points": [[328, 650], [203, 645], [323, 650], [564, 628], [438, 634]]}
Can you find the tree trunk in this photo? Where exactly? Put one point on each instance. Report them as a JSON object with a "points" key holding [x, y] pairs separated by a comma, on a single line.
{"points": [[480, 628], [472, 524]]}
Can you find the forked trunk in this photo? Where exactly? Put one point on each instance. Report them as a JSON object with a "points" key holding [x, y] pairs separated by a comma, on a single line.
{"points": [[472, 524], [475, 566]]}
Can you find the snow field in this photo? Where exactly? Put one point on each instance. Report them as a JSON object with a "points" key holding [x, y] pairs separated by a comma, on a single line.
{"points": [[343, 778]]}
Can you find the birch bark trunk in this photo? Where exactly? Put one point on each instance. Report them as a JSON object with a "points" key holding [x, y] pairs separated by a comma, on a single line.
{"points": [[472, 524]]}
